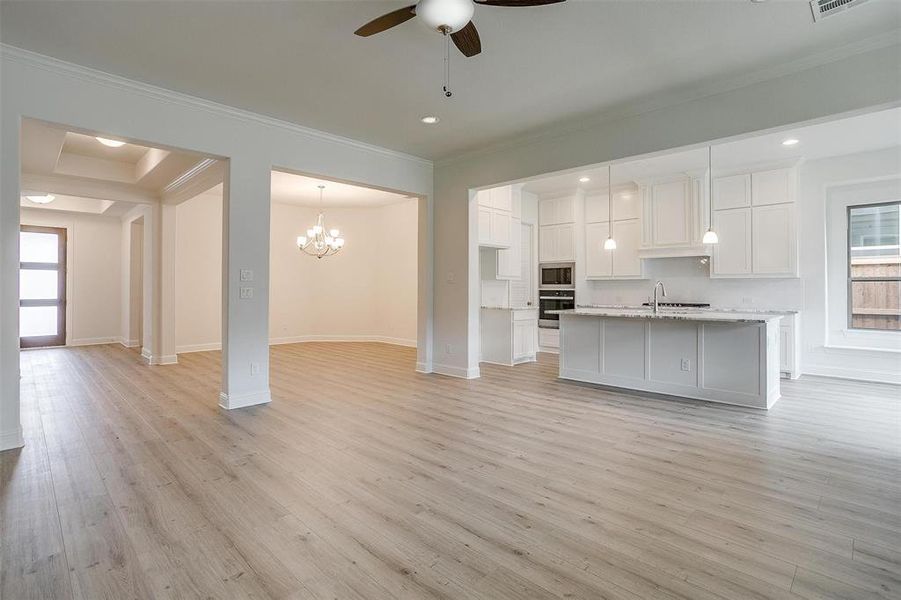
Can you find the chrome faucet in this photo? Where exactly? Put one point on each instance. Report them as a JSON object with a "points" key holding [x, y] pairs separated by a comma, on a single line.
{"points": [[661, 287]]}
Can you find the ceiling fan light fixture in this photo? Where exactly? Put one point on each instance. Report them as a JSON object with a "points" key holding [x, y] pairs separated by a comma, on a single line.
{"points": [[449, 15]]}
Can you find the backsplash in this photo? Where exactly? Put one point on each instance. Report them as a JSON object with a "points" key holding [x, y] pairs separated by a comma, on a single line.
{"points": [[688, 280]]}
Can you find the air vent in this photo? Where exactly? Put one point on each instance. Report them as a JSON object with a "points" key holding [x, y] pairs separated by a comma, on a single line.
{"points": [[826, 8]]}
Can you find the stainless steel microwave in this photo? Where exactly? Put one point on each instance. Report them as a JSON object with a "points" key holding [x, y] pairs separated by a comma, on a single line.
{"points": [[557, 276]]}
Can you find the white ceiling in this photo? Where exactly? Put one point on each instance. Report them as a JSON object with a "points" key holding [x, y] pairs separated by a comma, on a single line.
{"points": [[300, 61], [289, 188], [862, 133]]}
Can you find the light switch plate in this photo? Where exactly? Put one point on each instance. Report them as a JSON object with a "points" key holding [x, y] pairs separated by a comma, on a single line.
{"points": [[246, 275], [246, 292]]}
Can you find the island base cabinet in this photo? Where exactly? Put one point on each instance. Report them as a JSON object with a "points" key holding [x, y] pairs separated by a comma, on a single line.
{"points": [[731, 363]]}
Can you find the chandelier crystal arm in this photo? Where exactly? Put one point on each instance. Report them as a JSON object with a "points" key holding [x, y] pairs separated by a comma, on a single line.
{"points": [[319, 240]]}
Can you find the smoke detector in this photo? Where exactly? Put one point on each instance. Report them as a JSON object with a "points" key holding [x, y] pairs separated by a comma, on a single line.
{"points": [[827, 8]]}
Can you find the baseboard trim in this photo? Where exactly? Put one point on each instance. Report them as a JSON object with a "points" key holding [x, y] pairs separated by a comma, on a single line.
{"points": [[380, 339], [852, 374], [198, 348], [95, 341], [423, 367], [9, 440], [233, 401], [459, 372], [169, 359], [130, 343]]}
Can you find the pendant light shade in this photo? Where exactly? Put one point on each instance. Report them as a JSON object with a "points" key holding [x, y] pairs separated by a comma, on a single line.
{"points": [[710, 236], [610, 243]]}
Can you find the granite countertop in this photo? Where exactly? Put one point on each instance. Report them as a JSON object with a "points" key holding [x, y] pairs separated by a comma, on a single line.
{"points": [[703, 314], [510, 307], [718, 309]]}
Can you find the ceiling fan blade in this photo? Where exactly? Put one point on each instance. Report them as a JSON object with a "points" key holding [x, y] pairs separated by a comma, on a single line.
{"points": [[467, 40], [387, 21], [516, 2]]}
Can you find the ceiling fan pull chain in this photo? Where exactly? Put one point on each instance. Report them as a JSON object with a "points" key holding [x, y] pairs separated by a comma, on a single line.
{"points": [[447, 91]]}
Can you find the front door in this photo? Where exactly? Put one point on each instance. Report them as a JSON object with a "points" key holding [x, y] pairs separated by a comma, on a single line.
{"points": [[42, 286]]}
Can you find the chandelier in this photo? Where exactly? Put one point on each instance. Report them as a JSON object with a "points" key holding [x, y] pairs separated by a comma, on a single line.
{"points": [[318, 241]]}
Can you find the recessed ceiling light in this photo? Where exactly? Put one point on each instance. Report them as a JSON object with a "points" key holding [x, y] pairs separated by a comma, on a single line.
{"points": [[584, 179], [42, 198], [109, 142], [430, 120], [790, 142]]}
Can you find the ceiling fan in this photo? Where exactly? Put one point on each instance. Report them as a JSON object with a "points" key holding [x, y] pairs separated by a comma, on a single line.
{"points": [[449, 17]]}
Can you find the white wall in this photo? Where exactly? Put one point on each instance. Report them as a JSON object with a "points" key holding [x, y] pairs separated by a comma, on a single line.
{"points": [[93, 277], [857, 81], [198, 273], [370, 287], [39, 87]]}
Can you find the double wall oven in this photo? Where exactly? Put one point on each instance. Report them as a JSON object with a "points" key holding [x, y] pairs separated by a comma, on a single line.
{"points": [[556, 291]]}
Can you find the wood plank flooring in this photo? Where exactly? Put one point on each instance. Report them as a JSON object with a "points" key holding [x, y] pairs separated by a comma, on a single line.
{"points": [[365, 480]]}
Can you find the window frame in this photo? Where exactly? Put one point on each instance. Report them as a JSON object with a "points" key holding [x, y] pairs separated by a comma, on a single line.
{"points": [[41, 341], [850, 279]]}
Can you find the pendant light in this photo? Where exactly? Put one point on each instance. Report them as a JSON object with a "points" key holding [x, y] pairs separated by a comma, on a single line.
{"points": [[710, 236], [320, 241], [610, 243]]}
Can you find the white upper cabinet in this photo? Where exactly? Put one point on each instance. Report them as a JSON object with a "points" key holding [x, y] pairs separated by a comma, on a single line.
{"points": [[754, 218], [776, 186], [774, 241], [626, 261], [497, 208], [556, 211], [672, 218], [556, 243], [598, 262], [626, 205], [596, 209], [732, 192], [732, 256], [509, 262]]}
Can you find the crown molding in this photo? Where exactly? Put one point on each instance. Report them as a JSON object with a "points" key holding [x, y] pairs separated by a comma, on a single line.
{"points": [[675, 97], [61, 67]]}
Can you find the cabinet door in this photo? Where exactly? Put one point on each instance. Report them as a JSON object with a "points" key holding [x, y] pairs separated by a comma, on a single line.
{"points": [[524, 339], [547, 243], [671, 209], [625, 258], [566, 242], [501, 228], [547, 212], [484, 225], [732, 192], [483, 197], [502, 198], [509, 262], [732, 255], [772, 187], [626, 205], [598, 262], [565, 210], [786, 349], [775, 240], [596, 208]]}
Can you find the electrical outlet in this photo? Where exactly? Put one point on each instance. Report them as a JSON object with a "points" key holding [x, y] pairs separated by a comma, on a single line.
{"points": [[448, 349], [686, 364], [451, 277], [246, 292], [254, 368], [246, 275]]}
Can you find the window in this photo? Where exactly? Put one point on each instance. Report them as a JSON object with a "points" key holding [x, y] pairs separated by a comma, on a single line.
{"points": [[874, 267], [42, 286]]}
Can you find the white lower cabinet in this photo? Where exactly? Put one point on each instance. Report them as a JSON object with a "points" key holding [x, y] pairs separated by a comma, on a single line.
{"points": [[509, 335], [556, 243], [790, 346]]}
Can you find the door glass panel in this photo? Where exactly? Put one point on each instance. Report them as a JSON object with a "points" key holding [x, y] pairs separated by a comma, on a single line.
{"points": [[38, 247], [37, 320], [38, 284]]}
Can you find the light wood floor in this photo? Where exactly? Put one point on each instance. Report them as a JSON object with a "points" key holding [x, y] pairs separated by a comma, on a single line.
{"points": [[363, 479]]}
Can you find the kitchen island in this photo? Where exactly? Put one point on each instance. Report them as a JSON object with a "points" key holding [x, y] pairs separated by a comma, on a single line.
{"points": [[720, 356]]}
